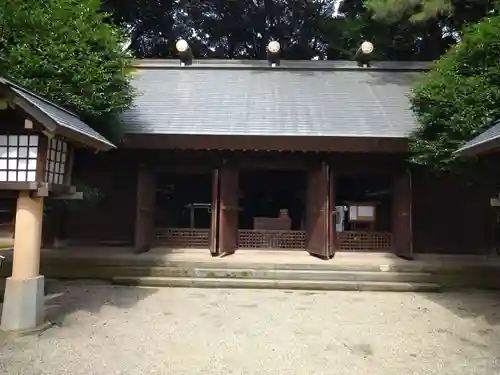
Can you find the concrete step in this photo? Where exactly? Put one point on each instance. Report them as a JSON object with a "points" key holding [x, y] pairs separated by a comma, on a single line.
{"points": [[107, 272], [140, 261], [277, 274], [198, 282]]}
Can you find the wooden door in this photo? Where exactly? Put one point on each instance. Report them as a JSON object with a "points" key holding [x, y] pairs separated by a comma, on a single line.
{"points": [[214, 227], [317, 209], [145, 209], [228, 211], [401, 216], [332, 233]]}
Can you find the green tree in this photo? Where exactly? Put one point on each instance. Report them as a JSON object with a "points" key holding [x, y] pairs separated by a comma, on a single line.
{"points": [[459, 98], [403, 40], [416, 10], [222, 28], [423, 10], [443, 20], [63, 50]]}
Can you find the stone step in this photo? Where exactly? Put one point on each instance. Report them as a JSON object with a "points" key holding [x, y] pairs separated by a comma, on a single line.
{"points": [[108, 272], [198, 282], [276, 274], [140, 261]]}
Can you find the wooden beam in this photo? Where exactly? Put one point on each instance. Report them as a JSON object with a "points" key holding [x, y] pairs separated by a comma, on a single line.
{"points": [[70, 158], [266, 143], [70, 196], [19, 185]]}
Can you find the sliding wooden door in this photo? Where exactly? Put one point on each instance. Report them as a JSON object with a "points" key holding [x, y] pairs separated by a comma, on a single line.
{"points": [[317, 212], [228, 210]]}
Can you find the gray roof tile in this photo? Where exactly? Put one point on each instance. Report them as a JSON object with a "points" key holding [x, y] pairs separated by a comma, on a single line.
{"points": [[59, 115], [308, 102], [484, 142]]}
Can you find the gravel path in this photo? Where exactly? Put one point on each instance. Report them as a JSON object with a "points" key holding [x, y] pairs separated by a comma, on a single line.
{"points": [[104, 330]]}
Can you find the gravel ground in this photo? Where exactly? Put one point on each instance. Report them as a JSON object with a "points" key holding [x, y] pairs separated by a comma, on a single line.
{"points": [[104, 330]]}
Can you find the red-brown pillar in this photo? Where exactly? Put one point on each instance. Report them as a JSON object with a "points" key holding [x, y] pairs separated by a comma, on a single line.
{"points": [[317, 211], [229, 194], [402, 240], [145, 209]]}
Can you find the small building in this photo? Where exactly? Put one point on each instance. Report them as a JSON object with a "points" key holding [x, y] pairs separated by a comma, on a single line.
{"points": [[486, 142], [304, 155]]}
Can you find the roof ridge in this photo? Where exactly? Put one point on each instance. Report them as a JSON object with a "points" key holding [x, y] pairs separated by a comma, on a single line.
{"points": [[152, 63]]}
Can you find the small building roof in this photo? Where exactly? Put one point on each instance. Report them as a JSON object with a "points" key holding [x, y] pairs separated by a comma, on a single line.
{"points": [[485, 142], [54, 118], [296, 98]]}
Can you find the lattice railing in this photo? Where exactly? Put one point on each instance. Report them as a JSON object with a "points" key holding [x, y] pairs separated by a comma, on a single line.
{"points": [[271, 239], [363, 241], [182, 238]]}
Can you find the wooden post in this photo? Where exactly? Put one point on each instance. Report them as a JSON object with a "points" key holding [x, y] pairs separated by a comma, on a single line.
{"points": [[214, 209], [24, 291], [402, 240], [145, 209]]}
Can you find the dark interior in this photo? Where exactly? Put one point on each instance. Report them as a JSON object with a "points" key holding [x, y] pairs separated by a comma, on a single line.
{"points": [[174, 195], [367, 189], [265, 193]]}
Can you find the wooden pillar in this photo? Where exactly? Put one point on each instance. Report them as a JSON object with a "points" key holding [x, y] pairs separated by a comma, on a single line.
{"points": [[145, 209], [24, 291], [229, 196], [215, 211], [332, 230], [402, 240]]}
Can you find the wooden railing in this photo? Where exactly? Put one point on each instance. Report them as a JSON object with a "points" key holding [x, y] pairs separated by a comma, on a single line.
{"points": [[182, 238], [271, 239], [355, 241], [364, 241]]}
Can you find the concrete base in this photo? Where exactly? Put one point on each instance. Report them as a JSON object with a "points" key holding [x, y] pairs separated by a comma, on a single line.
{"points": [[23, 307]]}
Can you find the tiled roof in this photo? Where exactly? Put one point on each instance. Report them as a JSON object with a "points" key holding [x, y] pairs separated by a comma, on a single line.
{"points": [[62, 117], [315, 98], [484, 142]]}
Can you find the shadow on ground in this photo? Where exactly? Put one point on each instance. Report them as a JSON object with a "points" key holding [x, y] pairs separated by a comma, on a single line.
{"points": [[470, 304], [64, 298]]}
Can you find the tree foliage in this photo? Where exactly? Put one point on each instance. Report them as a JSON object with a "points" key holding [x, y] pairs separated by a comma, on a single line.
{"points": [[222, 28], [459, 98], [306, 29], [64, 51], [458, 11], [403, 40], [415, 10]]}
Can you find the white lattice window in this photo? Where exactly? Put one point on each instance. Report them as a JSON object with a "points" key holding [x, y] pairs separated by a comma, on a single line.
{"points": [[57, 156], [18, 158]]}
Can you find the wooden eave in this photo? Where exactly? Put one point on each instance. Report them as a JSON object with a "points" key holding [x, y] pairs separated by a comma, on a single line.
{"points": [[266, 143]]}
